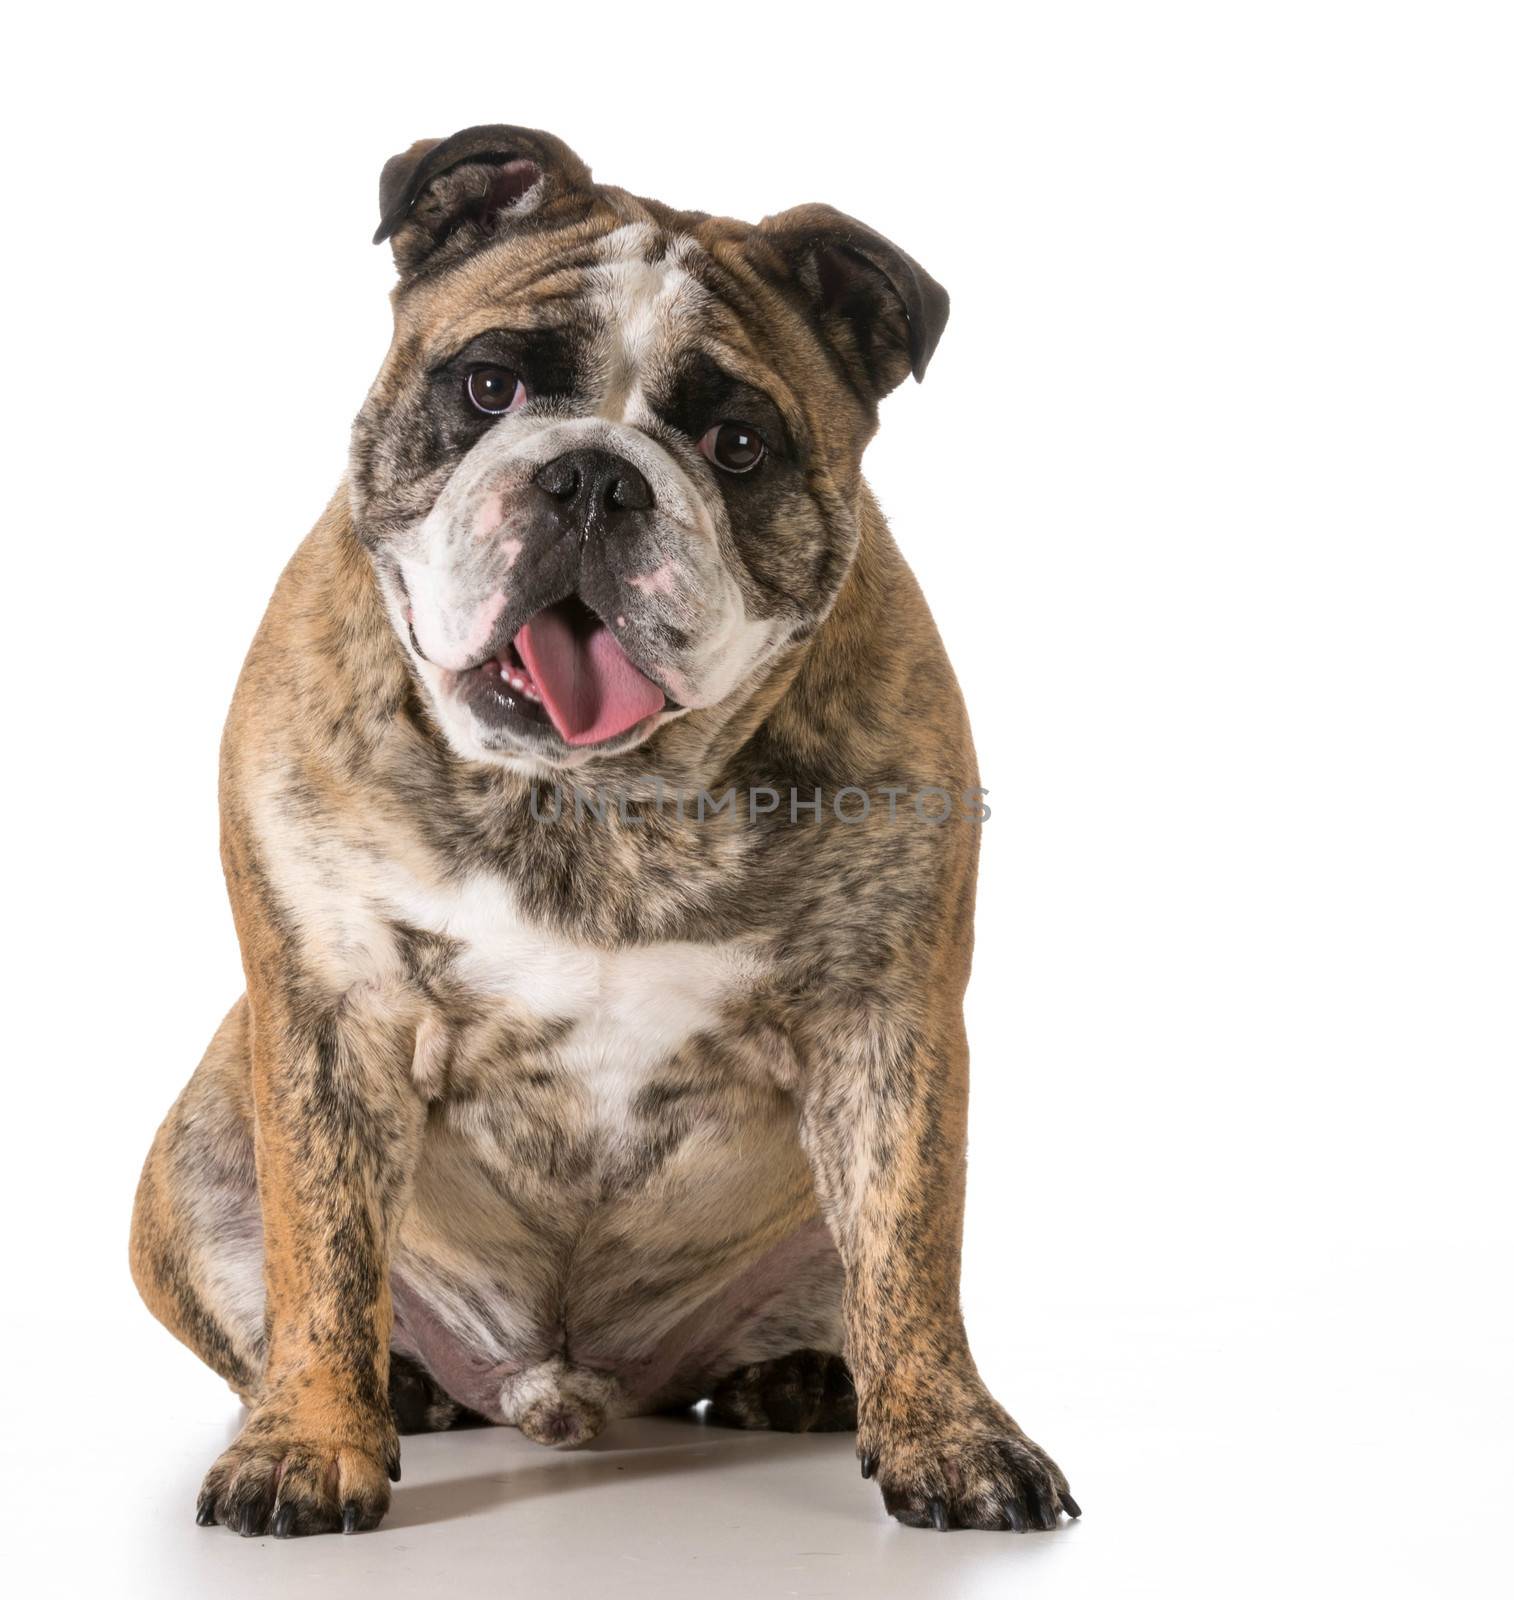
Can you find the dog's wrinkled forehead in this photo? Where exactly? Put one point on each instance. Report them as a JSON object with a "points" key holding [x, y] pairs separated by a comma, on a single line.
{"points": [[641, 280], [640, 307]]}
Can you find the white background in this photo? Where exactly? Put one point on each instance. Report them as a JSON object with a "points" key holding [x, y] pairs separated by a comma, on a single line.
{"points": [[1210, 490]]}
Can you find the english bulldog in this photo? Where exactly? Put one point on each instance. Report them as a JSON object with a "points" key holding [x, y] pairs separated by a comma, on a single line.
{"points": [[552, 1113]]}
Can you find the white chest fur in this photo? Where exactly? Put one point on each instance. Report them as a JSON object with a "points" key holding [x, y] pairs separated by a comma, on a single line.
{"points": [[630, 1008]]}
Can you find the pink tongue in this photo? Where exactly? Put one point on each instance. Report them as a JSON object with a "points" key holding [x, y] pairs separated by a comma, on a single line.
{"points": [[587, 682]]}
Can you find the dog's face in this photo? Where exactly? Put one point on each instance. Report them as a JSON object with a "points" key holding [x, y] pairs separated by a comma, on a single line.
{"points": [[606, 473]]}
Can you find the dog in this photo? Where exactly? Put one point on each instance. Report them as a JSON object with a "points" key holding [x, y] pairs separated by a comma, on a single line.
{"points": [[552, 1113]]}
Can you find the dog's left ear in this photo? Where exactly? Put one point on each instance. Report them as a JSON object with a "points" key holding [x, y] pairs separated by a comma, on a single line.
{"points": [[878, 307], [457, 193]]}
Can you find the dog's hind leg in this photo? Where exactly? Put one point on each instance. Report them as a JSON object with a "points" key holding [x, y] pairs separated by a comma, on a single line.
{"points": [[196, 1233], [805, 1391]]}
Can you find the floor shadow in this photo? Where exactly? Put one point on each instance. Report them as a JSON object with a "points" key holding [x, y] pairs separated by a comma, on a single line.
{"points": [[640, 1449]]}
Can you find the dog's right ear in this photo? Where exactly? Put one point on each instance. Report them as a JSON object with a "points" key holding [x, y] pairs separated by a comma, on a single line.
{"points": [[454, 195]]}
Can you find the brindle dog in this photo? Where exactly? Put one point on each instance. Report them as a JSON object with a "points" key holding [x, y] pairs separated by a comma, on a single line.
{"points": [[548, 1110]]}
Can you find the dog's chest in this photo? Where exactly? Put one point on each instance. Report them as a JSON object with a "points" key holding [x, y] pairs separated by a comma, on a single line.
{"points": [[521, 1007]]}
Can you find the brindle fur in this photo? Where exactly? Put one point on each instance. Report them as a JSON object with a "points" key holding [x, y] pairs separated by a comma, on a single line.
{"points": [[381, 1149]]}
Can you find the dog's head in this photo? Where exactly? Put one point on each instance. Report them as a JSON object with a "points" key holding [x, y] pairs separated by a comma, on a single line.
{"points": [[607, 473]]}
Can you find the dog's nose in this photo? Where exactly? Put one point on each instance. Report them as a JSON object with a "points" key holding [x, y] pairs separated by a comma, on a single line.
{"points": [[590, 484]]}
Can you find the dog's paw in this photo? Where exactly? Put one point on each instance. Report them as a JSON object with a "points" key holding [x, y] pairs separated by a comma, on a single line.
{"points": [[273, 1481], [969, 1479], [806, 1391]]}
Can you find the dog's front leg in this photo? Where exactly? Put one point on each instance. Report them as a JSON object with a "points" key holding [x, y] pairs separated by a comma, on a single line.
{"points": [[883, 1118], [338, 1134]]}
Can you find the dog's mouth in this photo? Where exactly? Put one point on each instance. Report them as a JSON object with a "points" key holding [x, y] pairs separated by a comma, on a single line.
{"points": [[566, 668]]}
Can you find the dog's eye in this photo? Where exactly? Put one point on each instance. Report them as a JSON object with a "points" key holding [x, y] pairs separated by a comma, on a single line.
{"points": [[733, 446], [496, 390]]}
